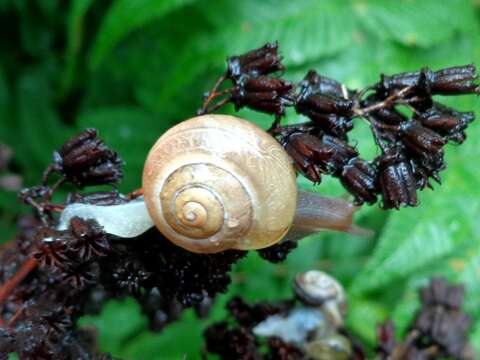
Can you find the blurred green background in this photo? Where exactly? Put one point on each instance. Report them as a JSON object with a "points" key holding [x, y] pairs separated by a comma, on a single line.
{"points": [[134, 68]]}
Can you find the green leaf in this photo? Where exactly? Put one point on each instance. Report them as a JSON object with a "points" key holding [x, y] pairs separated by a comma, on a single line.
{"points": [[415, 23], [118, 322], [165, 345], [4, 106], [131, 132], [125, 16], [305, 29], [363, 317], [75, 34], [445, 219], [38, 128]]}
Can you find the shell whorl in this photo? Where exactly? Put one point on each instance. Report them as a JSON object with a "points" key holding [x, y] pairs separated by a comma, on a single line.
{"points": [[217, 182]]}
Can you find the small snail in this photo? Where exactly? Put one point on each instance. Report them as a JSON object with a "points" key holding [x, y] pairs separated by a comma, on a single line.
{"points": [[315, 325], [318, 289], [217, 182]]}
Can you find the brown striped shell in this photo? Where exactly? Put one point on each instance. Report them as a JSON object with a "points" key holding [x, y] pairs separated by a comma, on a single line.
{"points": [[217, 182]]}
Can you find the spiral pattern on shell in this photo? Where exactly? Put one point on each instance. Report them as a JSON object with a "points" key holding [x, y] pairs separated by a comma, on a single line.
{"points": [[217, 182], [315, 288]]}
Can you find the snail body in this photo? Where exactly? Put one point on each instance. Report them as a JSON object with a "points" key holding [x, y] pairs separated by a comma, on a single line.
{"points": [[217, 182]]}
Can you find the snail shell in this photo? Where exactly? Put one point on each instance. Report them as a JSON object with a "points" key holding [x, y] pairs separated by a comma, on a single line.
{"points": [[318, 289], [217, 182]]}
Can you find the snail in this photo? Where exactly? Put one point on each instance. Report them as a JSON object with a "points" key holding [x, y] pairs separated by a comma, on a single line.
{"points": [[317, 289], [314, 326], [218, 182]]}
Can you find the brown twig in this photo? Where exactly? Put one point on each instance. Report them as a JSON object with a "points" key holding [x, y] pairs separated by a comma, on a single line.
{"points": [[135, 194], [15, 316], [211, 95], [26, 268], [389, 101]]}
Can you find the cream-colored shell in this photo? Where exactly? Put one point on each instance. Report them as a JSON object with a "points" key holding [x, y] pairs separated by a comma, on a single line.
{"points": [[217, 182]]}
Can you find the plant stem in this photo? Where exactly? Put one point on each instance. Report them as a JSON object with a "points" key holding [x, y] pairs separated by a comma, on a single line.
{"points": [[26, 268]]}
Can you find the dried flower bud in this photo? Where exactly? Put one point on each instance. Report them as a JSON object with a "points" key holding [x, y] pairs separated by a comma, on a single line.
{"points": [[389, 116], [341, 153], [130, 276], [332, 114], [440, 328], [81, 275], [309, 155], [51, 249], [56, 320], [420, 79], [85, 160], [313, 83], [447, 122], [426, 168], [89, 240], [396, 180], [420, 140], [261, 61], [450, 81], [236, 343], [448, 329], [278, 252], [359, 178], [263, 93], [331, 124], [440, 293], [455, 81], [312, 105]]}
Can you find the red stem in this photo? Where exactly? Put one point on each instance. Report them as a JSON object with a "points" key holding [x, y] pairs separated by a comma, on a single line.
{"points": [[7, 288], [135, 194]]}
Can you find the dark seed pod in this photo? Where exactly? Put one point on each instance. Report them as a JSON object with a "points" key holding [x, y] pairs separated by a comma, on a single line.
{"points": [[236, 343], [341, 154], [89, 240], [81, 275], [85, 160], [426, 168], [421, 141], [52, 250], [420, 80], [278, 252], [310, 155], [447, 122], [314, 84], [456, 80], [359, 178], [130, 277], [440, 293], [396, 180], [450, 81], [261, 61], [263, 93], [324, 104]]}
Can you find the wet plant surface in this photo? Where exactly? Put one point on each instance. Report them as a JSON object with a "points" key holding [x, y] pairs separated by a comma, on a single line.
{"points": [[87, 88]]}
